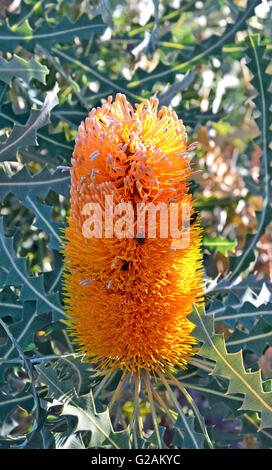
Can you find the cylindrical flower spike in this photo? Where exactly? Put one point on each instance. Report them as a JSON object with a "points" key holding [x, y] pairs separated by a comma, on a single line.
{"points": [[129, 286]]}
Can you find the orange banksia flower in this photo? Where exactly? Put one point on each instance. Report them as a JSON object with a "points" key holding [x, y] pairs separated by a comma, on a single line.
{"points": [[127, 297]]}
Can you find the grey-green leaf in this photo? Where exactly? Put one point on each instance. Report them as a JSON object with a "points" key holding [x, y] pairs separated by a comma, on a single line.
{"points": [[18, 67], [22, 136]]}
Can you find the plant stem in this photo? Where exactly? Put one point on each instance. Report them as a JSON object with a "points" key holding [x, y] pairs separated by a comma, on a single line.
{"points": [[118, 389], [198, 363], [193, 405], [179, 409], [102, 384], [135, 417], [166, 410], [153, 409]]}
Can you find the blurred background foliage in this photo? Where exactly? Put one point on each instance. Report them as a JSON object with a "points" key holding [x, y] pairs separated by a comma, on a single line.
{"points": [[210, 61]]}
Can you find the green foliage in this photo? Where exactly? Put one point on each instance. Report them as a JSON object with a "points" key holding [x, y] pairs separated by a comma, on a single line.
{"points": [[62, 32], [219, 244], [258, 64], [58, 60], [230, 365], [98, 425], [23, 136], [17, 67]]}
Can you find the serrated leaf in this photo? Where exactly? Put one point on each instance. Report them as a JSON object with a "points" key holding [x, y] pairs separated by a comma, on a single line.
{"points": [[238, 288], [83, 408], [69, 441], [258, 65], [26, 135], [231, 366], [63, 32], [82, 373], [190, 440], [32, 287], [21, 68], [27, 12], [244, 309], [153, 438], [24, 330], [9, 305], [55, 143], [44, 221], [256, 340], [219, 243], [40, 183]]}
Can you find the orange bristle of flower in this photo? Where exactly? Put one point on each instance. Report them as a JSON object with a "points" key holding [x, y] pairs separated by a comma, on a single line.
{"points": [[127, 299]]}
